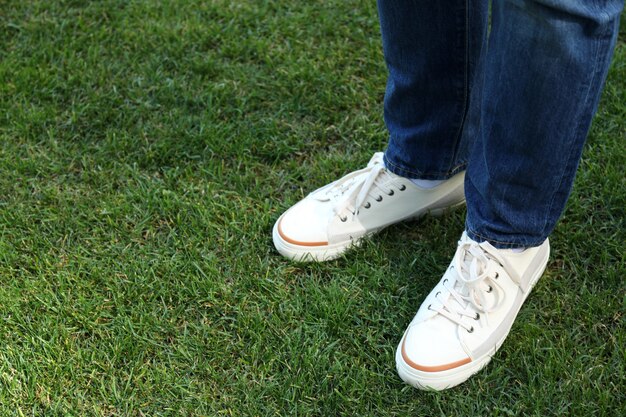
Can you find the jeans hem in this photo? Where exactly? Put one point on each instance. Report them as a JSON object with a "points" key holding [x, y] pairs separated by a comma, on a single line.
{"points": [[500, 244], [408, 173]]}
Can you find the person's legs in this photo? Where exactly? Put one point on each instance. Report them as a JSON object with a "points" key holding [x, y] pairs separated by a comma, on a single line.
{"points": [[546, 65], [434, 53]]}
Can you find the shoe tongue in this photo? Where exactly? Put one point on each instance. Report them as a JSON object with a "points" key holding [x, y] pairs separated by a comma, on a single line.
{"points": [[474, 261], [376, 159], [383, 178], [461, 288], [470, 267], [339, 190], [347, 186], [352, 190]]}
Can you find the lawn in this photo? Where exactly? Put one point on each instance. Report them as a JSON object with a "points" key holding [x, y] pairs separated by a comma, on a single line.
{"points": [[146, 149]]}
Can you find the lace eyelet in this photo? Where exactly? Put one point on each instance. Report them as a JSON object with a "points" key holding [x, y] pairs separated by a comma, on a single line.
{"points": [[438, 292], [429, 305], [471, 330], [445, 280], [379, 198], [402, 187], [477, 316], [390, 192], [497, 275], [343, 219], [490, 289], [367, 205]]}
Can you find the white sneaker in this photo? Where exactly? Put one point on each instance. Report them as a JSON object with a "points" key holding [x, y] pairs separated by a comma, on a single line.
{"points": [[331, 219], [467, 316]]}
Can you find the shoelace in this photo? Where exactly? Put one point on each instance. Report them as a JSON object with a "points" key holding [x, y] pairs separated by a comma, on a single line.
{"points": [[476, 277], [353, 189]]}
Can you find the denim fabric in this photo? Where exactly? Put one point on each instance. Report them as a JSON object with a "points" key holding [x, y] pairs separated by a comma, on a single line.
{"points": [[515, 113]]}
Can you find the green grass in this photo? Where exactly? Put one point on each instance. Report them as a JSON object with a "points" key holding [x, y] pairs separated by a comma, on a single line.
{"points": [[146, 148]]}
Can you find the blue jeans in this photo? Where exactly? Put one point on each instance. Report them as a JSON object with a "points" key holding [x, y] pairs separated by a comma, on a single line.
{"points": [[513, 107]]}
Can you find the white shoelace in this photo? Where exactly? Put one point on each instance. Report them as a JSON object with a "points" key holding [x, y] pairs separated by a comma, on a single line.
{"points": [[476, 277], [352, 190]]}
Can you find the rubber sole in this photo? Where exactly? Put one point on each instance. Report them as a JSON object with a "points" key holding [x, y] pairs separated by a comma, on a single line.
{"points": [[437, 381], [336, 250]]}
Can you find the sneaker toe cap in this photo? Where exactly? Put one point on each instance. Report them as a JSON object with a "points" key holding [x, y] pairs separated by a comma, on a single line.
{"points": [[304, 225], [433, 346]]}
